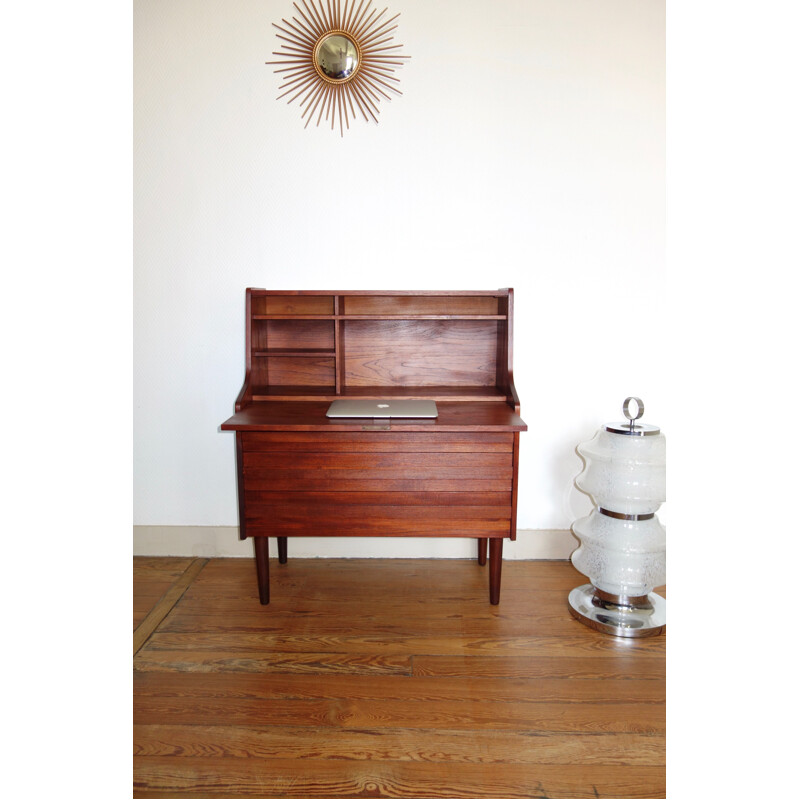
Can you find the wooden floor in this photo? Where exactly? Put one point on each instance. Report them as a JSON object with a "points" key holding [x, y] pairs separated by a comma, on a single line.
{"points": [[386, 678]]}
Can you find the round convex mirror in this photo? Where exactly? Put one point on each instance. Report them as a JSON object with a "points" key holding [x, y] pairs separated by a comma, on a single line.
{"points": [[337, 57]]}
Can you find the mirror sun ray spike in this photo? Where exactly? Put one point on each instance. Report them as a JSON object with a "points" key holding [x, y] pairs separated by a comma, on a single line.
{"points": [[336, 55]]}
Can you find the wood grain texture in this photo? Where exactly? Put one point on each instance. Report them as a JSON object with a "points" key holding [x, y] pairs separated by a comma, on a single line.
{"points": [[336, 690], [447, 304], [294, 370], [296, 686], [421, 353], [426, 463], [292, 305], [276, 334], [382, 526], [406, 499], [486, 746], [153, 577], [165, 604], [372, 490], [398, 442], [157, 777], [371, 481]]}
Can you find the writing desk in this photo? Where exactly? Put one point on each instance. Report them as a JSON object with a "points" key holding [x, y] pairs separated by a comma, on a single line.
{"points": [[303, 474]]}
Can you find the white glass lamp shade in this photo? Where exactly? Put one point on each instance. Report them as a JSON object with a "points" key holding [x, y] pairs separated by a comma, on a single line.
{"points": [[619, 556], [626, 474], [623, 548]]}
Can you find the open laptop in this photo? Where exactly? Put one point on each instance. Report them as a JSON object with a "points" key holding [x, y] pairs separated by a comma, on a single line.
{"points": [[411, 409]]}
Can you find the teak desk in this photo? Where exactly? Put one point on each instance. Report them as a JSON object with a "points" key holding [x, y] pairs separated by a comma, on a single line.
{"points": [[302, 474]]}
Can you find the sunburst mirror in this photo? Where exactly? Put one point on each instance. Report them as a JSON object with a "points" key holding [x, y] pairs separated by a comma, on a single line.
{"points": [[338, 57]]}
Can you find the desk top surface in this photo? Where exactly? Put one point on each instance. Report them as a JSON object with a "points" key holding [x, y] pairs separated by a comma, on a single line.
{"points": [[310, 416]]}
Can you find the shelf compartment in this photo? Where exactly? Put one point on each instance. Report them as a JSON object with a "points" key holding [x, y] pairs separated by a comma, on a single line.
{"points": [[295, 370], [435, 306], [287, 335], [420, 353], [292, 306]]}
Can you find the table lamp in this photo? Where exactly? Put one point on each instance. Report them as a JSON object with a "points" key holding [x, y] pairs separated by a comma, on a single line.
{"points": [[622, 544]]}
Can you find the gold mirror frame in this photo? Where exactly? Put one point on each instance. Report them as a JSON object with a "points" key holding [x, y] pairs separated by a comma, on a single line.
{"points": [[372, 74]]}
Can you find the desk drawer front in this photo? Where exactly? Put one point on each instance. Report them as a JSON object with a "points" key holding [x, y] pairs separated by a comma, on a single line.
{"points": [[378, 442], [372, 484]]}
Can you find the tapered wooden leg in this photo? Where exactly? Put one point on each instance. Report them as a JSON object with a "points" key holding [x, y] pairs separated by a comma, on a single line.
{"points": [[262, 568], [482, 551], [495, 568], [282, 557]]}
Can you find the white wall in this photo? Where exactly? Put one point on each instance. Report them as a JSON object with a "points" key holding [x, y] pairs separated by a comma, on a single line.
{"points": [[527, 150]]}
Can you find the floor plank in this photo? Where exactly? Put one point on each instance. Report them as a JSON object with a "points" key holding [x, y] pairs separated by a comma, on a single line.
{"points": [[214, 776], [486, 746], [392, 643], [198, 685], [471, 714], [313, 663]]}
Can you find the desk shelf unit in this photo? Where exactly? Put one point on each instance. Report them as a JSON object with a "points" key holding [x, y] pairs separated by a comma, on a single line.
{"points": [[302, 474], [452, 346]]}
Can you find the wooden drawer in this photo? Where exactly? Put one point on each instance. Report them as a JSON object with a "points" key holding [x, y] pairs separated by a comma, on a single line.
{"points": [[377, 441], [377, 484]]}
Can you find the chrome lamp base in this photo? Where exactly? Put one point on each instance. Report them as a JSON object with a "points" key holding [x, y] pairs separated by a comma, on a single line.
{"points": [[630, 617]]}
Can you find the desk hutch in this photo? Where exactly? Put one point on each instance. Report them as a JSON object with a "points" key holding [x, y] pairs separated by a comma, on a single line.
{"points": [[303, 474]]}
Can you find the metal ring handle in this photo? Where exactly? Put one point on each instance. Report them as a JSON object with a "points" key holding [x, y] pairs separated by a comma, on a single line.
{"points": [[626, 408]]}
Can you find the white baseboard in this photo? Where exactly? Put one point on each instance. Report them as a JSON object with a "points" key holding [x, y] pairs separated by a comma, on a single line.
{"points": [[223, 541]]}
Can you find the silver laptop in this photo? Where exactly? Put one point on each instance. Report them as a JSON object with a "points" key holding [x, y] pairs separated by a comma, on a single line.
{"points": [[412, 409]]}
